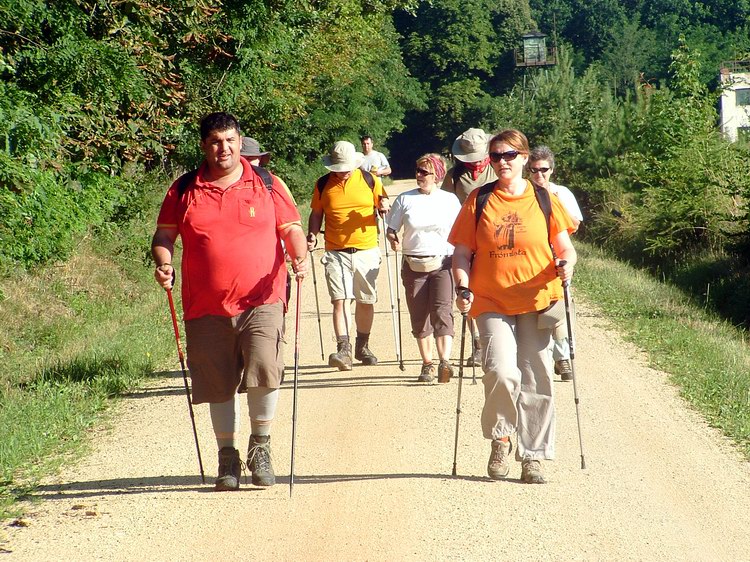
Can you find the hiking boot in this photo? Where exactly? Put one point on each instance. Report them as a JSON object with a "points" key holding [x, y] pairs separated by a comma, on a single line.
{"points": [[259, 460], [476, 356], [342, 359], [427, 373], [445, 371], [230, 469], [498, 466], [363, 353], [531, 472], [564, 369]]}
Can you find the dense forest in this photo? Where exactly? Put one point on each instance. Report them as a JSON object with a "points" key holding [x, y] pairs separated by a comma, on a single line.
{"points": [[100, 99]]}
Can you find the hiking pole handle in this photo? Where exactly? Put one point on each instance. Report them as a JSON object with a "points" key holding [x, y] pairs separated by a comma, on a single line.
{"points": [[563, 263]]}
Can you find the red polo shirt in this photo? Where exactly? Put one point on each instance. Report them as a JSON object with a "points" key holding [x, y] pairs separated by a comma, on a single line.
{"points": [[232, 257]]}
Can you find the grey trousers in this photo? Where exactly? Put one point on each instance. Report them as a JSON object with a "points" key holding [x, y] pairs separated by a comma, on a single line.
{"points": [[518, 391]]}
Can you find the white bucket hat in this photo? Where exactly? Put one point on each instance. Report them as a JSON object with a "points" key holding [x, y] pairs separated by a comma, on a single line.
{"points": [[343, 157], [471, 146]]}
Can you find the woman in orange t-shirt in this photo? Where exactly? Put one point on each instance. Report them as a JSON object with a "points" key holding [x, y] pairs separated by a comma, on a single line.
{"points": [[504, 259]]}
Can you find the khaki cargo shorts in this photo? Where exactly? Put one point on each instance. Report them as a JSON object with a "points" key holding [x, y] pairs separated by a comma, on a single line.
{"points": [[228, 355], [352, 274]]}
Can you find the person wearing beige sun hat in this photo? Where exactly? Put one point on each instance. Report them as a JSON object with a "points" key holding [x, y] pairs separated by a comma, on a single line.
{"points": [[471, 171], [472, 167], [348, 199]]}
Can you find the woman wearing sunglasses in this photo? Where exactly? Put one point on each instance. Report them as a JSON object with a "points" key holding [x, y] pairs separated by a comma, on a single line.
{"points": [[503, 257], [426, 215], [541, 166]]}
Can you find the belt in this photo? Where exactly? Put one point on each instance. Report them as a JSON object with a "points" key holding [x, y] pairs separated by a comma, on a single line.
{"points": [[348, 250], [409, 256]]}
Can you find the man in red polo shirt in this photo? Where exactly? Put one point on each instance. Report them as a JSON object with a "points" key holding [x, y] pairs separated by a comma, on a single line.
{"points": [[233, 289]]}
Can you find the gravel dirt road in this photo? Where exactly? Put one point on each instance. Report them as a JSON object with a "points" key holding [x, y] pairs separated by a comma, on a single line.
{"points": [[373, 471]]}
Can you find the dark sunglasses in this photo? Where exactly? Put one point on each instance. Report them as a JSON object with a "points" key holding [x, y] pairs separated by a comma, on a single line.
{"points": [[423, 172], [537, 170], [508, 155]]}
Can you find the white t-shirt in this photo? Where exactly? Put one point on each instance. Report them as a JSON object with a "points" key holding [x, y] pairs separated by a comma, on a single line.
{"points": [[427, 220], [567, 199], [375, 158]]}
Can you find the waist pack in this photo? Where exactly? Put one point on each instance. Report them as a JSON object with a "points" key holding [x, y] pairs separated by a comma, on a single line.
{"points": [[424, 264], [552, 316]]}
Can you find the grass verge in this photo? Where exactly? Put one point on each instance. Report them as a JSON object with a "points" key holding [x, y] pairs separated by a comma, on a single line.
{"points": [[706, 357]]}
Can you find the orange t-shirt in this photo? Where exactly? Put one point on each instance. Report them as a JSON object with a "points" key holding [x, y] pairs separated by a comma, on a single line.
{"points": [[349, 210], [513, 271]]}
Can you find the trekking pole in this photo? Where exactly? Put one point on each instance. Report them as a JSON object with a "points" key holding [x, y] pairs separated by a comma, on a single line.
{"points": [[317, 304], [571, 341], [390, 292], [296, 377], [473, 363], [398, 304], [184, 378], [465, 295]]}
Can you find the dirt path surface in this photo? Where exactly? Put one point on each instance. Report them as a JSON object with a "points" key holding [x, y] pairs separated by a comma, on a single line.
{"points": [[373, 471]]}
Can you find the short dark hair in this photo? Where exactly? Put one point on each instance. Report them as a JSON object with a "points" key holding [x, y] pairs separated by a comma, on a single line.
{"points": [[364, 137], [219, 121], [542, 152]]}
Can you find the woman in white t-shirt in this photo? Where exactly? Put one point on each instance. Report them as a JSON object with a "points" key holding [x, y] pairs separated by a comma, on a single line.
{"points": [[426, 215]]}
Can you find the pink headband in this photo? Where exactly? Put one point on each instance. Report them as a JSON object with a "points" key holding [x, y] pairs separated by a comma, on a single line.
{"points": [[437, 166]]}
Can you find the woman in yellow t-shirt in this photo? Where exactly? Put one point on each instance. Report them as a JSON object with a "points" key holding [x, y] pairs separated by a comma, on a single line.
{"points": [[504, 259]]}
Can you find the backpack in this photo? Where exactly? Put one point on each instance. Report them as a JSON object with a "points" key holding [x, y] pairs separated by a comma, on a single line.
{"points": [[323, 180], [187, 179], [542, 197]]}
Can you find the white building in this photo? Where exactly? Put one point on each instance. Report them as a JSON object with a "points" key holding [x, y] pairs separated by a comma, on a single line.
{"points": [[735, 100]]}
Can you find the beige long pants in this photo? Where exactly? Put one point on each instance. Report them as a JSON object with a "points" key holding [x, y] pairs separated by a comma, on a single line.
{"points": [[518, 390]]}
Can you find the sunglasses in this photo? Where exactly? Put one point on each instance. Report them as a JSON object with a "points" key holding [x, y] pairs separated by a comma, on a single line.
{"points": [[423, 172], [537, 170], [508, 155]]}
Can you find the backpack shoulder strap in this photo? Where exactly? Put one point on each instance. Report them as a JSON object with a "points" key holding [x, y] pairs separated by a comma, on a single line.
{"points": [[323, 180], [369, 179], [265, 175], [186, 181], [321, 183], [542, 197], [484, 194], [458, 169]]}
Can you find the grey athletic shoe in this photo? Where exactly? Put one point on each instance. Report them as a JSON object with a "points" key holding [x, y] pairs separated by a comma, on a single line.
{"points": [[498, 466], [230, 470], [445, 371], [427, 373], [363, 353], [531, 472], [259, 460], [564, 369], [342, 359]]}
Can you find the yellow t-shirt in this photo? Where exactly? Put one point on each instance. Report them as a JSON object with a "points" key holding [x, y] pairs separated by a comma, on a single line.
{"points": [[349, 210], [513, 271]]}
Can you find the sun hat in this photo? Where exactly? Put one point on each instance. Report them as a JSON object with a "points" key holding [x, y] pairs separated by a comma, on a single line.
{"points": [[251, 148], [471, 146], [343, 157]]}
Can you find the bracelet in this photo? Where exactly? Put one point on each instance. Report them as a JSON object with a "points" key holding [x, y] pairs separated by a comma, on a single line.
{"points": [[162, 265]]}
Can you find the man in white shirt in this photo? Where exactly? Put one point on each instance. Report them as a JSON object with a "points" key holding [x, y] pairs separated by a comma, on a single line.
{"points": [[375, 162], [541, 165]]}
